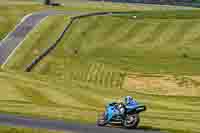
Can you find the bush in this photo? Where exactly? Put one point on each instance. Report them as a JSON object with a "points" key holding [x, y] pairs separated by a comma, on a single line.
{"points": [[47, 2]]}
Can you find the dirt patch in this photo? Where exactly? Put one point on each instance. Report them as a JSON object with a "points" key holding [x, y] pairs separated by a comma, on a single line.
{"points": [[163, 85], [36, 52], [3, 19]]}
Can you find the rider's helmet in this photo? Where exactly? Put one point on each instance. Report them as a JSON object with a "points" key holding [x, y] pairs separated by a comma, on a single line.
{"points": [[128, 99]]}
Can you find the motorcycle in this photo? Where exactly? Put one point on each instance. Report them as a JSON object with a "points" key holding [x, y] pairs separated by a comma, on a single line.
{"points": [[118, 113]]}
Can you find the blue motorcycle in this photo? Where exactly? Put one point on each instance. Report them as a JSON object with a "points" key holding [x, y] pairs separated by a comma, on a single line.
{"points": [[118, 113]]}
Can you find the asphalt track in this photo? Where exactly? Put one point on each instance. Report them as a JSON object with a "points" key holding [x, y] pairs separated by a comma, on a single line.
{"points": [[8, 46], [58, 125], [15, 37]]}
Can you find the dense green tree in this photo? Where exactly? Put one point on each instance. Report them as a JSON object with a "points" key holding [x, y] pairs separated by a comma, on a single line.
{"points": [[47, 2], [168, 1]]}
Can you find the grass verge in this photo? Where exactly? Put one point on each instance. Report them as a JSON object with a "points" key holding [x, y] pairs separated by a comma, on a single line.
{"points": [[50, 28], [75, 101]]}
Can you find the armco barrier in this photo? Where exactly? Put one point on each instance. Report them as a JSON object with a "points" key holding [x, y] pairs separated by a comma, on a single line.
{"points": [[48, 50], [53, 46]]}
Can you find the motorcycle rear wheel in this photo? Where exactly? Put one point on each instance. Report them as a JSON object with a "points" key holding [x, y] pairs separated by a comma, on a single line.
{"points": [[131, 121]]}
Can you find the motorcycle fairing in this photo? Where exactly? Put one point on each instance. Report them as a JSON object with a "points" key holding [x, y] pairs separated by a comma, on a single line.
{"points": [[111, 111]]}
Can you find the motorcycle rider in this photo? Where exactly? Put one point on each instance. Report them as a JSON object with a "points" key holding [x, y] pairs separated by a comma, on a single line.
{"points": [[124, 111], [129, 102]]}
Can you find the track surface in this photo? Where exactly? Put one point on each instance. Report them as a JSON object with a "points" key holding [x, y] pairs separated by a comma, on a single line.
{"points": [[13, 120], [8, 45], [14, 38]]}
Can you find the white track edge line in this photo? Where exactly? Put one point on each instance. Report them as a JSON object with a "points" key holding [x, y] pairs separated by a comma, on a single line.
{"points": [[12, 53], [21, 21]]}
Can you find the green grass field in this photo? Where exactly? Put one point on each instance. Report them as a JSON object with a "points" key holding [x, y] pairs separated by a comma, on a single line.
{"points": [[11, 11], [40, 96], [147, 44], [152, 43], [144, 45], [154, 58]]}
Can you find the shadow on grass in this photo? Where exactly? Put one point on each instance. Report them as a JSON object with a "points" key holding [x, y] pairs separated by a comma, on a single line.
{"points": [[148, 128]]}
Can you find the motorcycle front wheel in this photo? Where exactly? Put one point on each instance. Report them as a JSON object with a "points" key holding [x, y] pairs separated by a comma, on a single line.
{"points": [[131, 121], [101, 121]]}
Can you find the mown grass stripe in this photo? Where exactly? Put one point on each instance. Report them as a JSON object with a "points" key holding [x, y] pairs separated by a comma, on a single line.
{"points": [[181, 30], [35, 96], [156, 33]]}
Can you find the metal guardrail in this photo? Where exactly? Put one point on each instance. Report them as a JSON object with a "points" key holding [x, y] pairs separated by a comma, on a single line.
{"points": [[48, 50]]}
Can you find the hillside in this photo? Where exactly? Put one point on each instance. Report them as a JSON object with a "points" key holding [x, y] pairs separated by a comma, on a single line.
{"points": [[73, 100], [153, 57], [144, 44], [111, 50], [163, 42], [12, 11]]}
